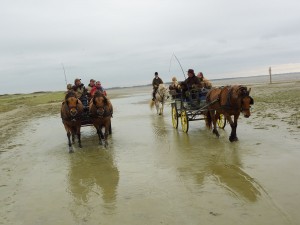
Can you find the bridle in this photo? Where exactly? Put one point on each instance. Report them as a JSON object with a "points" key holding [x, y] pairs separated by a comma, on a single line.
{"points": [[101, 111]]}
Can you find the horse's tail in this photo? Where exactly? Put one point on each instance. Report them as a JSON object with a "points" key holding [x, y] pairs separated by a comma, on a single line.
{"points": [[151, 104], [208, 120]]}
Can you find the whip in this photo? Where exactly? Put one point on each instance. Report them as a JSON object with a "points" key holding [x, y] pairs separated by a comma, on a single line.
{"points": [[178, 63], [65, 73]]}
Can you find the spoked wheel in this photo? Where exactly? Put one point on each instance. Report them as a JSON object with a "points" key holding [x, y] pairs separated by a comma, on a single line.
{"points": [[174, 116], [184, 121], [221, 121]]}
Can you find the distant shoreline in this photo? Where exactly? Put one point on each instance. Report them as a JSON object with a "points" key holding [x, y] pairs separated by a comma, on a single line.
{"points": [[282, 77]]}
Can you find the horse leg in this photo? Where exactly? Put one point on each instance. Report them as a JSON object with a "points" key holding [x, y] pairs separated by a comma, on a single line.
{"points": [[69, 142], [79, 136], [214, 121], [233, 136], [100, 134], [73, 137], [106, 135], [157, 107]]}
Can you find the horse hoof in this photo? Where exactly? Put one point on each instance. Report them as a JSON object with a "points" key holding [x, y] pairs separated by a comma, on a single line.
{"points": [[216, 133], [80, 146], [232, 139], [71, 150], [105, 144]]}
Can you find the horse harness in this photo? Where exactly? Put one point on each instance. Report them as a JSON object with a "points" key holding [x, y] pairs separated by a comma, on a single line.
{"points": [[70, 117], [101, 112], [228, 104]]}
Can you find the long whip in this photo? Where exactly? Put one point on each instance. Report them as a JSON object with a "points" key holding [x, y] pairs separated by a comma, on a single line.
{"points": [[179, 65], [65, 73]]}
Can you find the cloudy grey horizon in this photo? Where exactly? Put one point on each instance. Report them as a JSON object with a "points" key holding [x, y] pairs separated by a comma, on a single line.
{"points": [[122, 43]]}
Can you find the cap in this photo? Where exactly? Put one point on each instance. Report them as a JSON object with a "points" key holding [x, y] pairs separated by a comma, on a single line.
{"points": [[92, 80], [77, 79], [156, 73]]}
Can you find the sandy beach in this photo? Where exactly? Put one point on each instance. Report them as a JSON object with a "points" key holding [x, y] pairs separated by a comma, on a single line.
{"points": [[151, 173]]}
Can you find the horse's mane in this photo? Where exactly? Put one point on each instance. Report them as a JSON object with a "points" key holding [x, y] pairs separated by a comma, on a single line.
{"points": [[70, 94], [100, 94], [241, 90]]}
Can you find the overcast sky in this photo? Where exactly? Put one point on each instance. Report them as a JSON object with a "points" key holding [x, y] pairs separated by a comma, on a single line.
{"points": [[123, 42]]}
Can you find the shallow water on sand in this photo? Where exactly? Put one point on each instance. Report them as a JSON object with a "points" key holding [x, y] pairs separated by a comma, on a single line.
{"points": [[151, 173]]}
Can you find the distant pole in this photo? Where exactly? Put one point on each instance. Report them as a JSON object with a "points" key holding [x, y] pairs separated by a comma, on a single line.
{"points": [[270, 72]]}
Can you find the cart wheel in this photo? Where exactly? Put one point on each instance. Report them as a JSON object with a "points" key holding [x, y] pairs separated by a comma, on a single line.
{"points": [[184, 121], [174, 116], [221, 121]]}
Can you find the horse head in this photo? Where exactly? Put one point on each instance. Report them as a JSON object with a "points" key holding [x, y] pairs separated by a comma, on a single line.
{"points": [[101, 103], [163, 92], [72, 103], [246, 101]]}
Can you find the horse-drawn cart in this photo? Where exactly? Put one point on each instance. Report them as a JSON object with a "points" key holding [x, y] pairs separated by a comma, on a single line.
{"points": [[191, 106], [86, 119]]}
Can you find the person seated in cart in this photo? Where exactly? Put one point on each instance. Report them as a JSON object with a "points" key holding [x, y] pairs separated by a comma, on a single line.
{"points": [[192, 82], [98, 87], [80, 91], [203, 81], [90, 87], [175, 88]]}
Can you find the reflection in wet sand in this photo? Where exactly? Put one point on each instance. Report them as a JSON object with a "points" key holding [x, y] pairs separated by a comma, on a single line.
{"points": [[93, 181], [211, 161]]}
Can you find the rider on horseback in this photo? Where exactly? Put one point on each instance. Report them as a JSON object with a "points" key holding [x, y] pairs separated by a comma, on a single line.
{"points": [[155, 83]]}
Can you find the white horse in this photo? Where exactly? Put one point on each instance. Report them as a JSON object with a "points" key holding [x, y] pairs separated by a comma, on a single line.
{"points": [[161, 96]]}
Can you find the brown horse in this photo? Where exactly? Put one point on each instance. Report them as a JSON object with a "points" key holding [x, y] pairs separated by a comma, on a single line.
{"points": [[229, 101], [101, 111], [71, 111]]}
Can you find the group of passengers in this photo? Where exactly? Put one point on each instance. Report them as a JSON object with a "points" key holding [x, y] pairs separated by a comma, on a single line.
{"points": [[85, 93], [192, 82]]}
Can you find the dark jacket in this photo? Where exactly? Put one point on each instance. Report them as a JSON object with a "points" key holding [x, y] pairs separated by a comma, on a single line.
{"points": [[156, 82], [192, 81]]}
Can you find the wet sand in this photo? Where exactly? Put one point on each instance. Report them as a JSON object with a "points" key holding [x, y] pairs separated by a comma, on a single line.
{"points": [[152, 173]]}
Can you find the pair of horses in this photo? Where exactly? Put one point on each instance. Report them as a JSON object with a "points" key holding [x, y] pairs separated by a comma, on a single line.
{"points": [[100, 112]]}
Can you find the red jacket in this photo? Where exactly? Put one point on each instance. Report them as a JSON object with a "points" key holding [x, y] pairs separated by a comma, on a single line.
{"points": [[94, 89]]}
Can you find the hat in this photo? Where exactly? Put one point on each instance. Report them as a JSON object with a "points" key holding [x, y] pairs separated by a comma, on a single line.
{"points": [[191, 71], [156, 73], [92, 80], [77, 79]]}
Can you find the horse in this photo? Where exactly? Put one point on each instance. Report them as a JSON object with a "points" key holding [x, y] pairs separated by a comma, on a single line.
{"points": [[101, 111], [71, 112], [161, 96], [229, 101]]}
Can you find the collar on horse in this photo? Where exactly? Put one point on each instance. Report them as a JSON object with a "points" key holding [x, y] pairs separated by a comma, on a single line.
{"points": [[228, 105]]}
